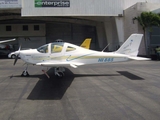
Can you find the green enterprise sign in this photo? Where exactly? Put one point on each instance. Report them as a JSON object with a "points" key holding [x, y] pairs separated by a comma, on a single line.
{"points": [[52, 3]]}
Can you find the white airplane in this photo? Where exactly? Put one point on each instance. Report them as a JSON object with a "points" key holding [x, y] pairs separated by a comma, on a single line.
{"points": [[2, 45], [62, 54]]}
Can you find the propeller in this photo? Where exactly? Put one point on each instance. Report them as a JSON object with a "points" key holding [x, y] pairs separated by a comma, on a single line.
{"points": [[17, 56]]}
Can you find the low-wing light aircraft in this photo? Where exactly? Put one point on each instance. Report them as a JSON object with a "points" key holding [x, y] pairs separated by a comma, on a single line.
{"points": [[4, 41], [62, 54]]}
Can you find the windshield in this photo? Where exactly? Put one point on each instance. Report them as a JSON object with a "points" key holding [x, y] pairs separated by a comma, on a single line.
{"points": [[43, 49]]}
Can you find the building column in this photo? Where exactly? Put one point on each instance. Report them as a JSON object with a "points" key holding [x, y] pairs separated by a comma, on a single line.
{"points": [[108, 33], [111, 34], [102, 41], [120, 29]]}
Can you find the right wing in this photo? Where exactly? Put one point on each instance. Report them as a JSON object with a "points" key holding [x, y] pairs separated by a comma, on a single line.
{"points": [[51, 64]]}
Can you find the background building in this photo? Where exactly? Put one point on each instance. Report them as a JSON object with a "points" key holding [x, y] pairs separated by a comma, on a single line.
{"points": [[36, 22]]}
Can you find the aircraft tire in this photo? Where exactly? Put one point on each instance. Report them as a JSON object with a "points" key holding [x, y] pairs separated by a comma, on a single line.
{"points": [[25, 74], [13, 56], [61, 75]]}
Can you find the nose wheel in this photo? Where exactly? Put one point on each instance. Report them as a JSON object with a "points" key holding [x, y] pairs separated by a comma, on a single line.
{"points": [[59, 72], [25, 72]]}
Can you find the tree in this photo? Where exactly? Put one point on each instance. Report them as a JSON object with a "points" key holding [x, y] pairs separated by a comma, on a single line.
{"points": [[147, 20]]}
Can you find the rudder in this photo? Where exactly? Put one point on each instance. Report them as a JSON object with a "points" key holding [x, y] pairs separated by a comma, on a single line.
{"points": [[131, 45]]}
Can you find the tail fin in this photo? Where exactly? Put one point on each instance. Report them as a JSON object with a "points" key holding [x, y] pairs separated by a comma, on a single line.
{"points": [[131, 45], [86, 43]]}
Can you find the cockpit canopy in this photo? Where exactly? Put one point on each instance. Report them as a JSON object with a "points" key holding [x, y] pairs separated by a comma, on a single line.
{"points": [[43, 49], [54, 47]]}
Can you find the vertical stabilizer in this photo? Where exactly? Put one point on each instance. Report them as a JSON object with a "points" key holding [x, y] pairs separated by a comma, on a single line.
{"points": [[131, 45], [86, 43]]}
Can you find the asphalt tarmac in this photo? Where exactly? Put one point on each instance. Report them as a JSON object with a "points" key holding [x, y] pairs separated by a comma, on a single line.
{"points": [[115, 91]]}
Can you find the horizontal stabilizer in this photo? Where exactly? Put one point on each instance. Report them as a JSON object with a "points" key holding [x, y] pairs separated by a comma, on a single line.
{"points": [[72, 65], [138, 58]]}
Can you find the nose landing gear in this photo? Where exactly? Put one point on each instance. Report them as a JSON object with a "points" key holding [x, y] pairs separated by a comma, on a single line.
{"points": [[25, 72]]}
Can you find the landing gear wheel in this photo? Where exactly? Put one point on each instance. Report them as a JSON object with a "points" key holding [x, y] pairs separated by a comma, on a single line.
{"points": [[60, 74], [25, 74], [13, 56]]}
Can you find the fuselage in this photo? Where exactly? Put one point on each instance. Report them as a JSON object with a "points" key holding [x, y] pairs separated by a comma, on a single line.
{"points": [[66, 53]]}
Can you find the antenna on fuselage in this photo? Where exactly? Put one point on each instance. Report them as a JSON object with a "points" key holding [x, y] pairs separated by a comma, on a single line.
{"points": [[105, 47], [59, 40]]}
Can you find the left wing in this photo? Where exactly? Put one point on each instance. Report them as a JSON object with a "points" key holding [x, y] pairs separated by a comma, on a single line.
{"points": [[7, 40]]}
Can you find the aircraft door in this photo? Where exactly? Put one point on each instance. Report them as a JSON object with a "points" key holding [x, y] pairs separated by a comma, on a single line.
{"points": [[57, 51], [43, 54]]}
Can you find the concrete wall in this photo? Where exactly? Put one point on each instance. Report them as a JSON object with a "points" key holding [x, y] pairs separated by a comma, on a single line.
{"points": [[119, 21], [6, 4], [111, 33], [30, 38], [34, 42], [17, 30], [102, 41], [70, 32], [76, 8], [129, 3]]}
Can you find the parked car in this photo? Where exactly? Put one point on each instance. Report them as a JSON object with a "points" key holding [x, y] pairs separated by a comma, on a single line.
{"points": [[4, 53], [5, 50], [12, 55]]}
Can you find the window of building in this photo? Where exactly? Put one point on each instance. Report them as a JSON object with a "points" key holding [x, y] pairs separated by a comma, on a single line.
{"points": [[36, 27], [8, 28], [25, 27]]}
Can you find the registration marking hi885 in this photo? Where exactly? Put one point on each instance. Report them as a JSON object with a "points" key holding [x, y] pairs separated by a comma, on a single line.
{"points": [[105, 59]]}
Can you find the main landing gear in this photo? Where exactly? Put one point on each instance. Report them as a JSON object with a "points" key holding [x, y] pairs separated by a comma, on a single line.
{"points": [[59, 72]]}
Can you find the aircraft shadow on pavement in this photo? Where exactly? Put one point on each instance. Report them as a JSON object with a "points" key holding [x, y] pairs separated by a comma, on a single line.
{"points": [[129, 75], [55, 88]]}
